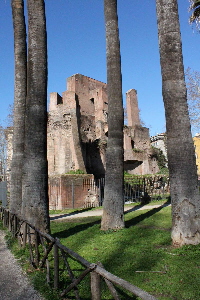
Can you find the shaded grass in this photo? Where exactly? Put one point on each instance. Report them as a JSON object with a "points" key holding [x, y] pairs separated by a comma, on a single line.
{"points": [[145, 246], [71, 210], [141, 253]]}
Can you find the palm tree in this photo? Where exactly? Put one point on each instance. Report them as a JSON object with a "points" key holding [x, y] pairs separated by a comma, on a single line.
{"points": [[35, 178], [113, 206], [195, 8], [181, 155], [19, 105]]}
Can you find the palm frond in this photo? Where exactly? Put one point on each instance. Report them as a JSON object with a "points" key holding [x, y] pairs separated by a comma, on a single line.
{"points": [[195, 8], [194, 4]]}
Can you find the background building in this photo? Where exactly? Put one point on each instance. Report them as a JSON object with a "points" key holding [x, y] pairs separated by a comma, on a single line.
{"points": [[196, 140]]}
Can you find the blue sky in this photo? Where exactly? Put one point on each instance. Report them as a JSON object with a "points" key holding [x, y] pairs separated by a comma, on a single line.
{"points": [[76, 44]]}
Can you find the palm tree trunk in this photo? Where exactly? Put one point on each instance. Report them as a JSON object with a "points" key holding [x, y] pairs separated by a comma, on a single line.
{"points": [[181, 155], [113, 206], [35, 177], [20, 50]]}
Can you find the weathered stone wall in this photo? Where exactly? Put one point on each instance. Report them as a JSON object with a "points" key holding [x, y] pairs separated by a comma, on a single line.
{"points": [[138, 152], [76, 122], [78, 130], [64, 150], [77, 133], [132, 108], [91, 95]]}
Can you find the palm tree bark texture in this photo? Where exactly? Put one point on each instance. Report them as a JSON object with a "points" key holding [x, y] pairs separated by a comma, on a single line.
{"points": [[20, 50], [113, 206], [181, 155], [35, 178]]}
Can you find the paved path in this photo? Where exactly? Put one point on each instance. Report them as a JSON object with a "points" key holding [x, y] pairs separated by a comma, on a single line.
{"points": [[98, 212], [14, 284]]}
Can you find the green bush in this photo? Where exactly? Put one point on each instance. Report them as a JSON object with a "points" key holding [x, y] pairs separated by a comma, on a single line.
{"points": [[78, 171]]}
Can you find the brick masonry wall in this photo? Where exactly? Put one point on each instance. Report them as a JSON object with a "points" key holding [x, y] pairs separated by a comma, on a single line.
{"points": [[71, 191]]}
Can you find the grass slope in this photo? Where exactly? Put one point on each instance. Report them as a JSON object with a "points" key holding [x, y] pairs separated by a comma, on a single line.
{"points": [[141, 253]]}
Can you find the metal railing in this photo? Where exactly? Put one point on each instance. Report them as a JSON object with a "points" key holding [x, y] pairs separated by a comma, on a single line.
{"points": [[136, 188]]}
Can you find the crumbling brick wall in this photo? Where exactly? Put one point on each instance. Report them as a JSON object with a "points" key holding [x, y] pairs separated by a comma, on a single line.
{"points": [[72, 191]]}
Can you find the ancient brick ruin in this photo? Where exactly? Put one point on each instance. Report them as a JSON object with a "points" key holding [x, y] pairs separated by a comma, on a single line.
{"points": [[78, 131], [77, 134], [77, 139]]}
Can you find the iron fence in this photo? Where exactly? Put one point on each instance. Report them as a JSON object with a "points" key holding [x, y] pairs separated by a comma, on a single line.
{"points": [[136, 188]]}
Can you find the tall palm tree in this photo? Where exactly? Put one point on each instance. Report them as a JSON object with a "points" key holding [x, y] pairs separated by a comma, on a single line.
{"points": [[113, 206], [181, 155], [35, 178], [20, 50]]}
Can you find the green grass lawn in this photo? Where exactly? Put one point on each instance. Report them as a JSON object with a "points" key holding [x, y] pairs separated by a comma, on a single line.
{"points": [[141, 253]]}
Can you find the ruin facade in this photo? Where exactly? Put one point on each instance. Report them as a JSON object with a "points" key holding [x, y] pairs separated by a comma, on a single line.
{"points": [[78, 131]]}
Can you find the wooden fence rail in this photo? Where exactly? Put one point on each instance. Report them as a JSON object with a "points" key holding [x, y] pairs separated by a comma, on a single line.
{"points": [[41, 245]]}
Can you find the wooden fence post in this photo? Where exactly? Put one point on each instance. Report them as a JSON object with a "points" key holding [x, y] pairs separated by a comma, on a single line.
{"points": [[95, 286], [10, 221], [110, 285], [24, 235], [4, 218], [14, 225], [37, 252], [56, 267]]}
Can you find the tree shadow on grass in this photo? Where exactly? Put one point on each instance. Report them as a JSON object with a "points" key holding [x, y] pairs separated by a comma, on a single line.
{"points": [[144, 261], [84, 226], [74, 230], [60, 216], [143, 216]]}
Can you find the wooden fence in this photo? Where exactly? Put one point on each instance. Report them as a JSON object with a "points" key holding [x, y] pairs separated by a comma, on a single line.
{"points": [[44, 249]]}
